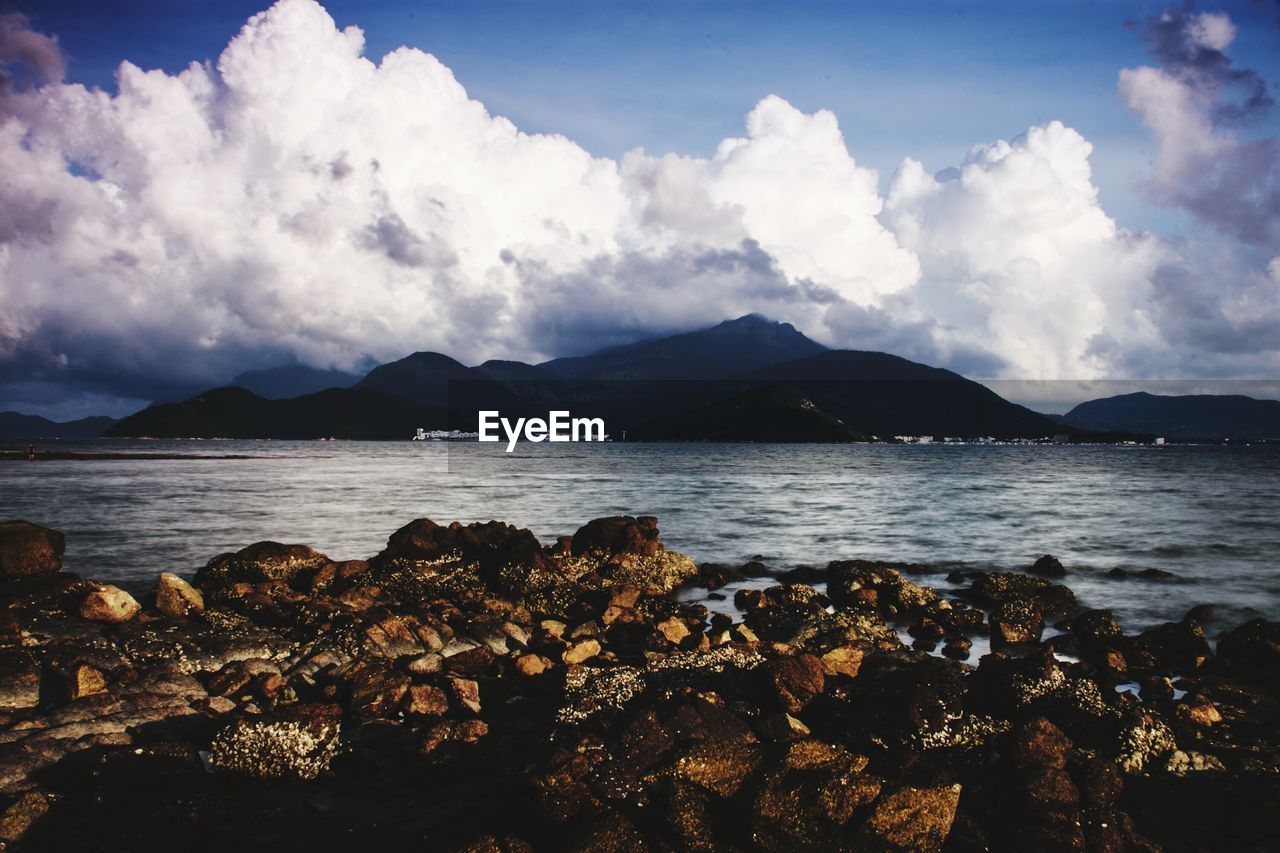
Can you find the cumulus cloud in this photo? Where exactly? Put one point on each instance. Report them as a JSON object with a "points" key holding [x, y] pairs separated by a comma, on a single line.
{"points": [[297, 200], [1195, 103]]}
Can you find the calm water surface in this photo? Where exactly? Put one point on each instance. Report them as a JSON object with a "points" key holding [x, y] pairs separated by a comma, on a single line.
{"points": [[1210, 515]]}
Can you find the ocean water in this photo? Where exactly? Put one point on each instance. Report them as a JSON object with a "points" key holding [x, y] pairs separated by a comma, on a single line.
{"points": [[1209, 515]]}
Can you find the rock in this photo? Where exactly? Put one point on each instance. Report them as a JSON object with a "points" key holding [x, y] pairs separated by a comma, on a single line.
{"points": [[83, 680], [1016, 621], [783, 728], [466, 693], [1199, 711], [793, 682], [532, 664], [718, 766], [848, 581], [1094, 628], [108, 603], [806, 802], [1177, 645], [1039, 743], [996, 588], [1048, 567], [29, 549], [22, 815], [843, 660], [19, 680], [673, 629], [1181, 762], [377, 690], [427, 701], [1253, 645], [581, 651], [917, 819], [298, 746], [175, 597], [453, 731], [957, 648], [258, 563], [620, 534], [425, 664]]}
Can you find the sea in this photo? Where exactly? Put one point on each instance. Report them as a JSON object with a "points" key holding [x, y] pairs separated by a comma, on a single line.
{"points": [[1208, 515]]}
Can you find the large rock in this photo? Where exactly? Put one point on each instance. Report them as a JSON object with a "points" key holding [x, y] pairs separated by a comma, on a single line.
{"points": [[1253, 645], [107, 603], [29, 549], [861, 584], [298, 746], [259, 563], [620, 534], [175, 597], [917, 819]]}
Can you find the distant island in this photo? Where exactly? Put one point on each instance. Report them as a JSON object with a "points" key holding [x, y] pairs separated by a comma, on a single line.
{"points": [[750, 379]]}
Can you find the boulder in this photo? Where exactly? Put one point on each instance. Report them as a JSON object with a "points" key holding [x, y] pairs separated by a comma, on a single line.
{"points": [[175, 597], [793, 682], [107, 603], [260, 562], [299, 745], [917, 819], [1016, 621], [1048, 567], [29, 549], [1253, 645]]}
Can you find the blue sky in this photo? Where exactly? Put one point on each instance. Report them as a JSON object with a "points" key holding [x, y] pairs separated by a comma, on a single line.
{"points": [[925, 79]]}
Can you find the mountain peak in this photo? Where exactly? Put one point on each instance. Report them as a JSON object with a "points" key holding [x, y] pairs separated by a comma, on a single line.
{"points": [[748, 342]]}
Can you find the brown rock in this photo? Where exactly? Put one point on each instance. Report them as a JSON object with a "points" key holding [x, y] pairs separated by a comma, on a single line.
{"points": [[1199, 711], [29, 549], [783, 728], [466, 692], [109, 603], [427, 701], [844, 660], [83, 680], [175, 597], [23, 814], [794, 681], [532, 664], [581, 651], [673, 629], [916, 819], [718, 766], [1039, 743], [453, 731]]}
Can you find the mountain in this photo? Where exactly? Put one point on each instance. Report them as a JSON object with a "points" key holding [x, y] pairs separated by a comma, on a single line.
{"points": [[731, 347], [237, 413], [843, 395], [1208, 416], [280, 383], [748, 379], [16, 425]]}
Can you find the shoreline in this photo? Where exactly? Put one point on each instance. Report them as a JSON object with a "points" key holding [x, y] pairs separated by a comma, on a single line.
{"points": [[557, 696]]}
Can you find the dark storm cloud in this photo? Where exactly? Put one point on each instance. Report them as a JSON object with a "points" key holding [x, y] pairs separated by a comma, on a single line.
{"points": [[1194, 102], [1183, 42], [27, 57]]}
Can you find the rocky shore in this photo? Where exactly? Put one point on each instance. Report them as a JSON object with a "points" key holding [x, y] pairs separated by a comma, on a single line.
{"points": [[470, 688]]}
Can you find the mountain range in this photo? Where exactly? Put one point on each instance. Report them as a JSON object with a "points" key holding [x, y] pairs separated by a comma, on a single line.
{"points": [[749, 379], [1191, 416], [15, 425]]}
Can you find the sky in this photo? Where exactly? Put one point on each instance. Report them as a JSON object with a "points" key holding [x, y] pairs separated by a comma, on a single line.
{"points": [[1063, 191]]}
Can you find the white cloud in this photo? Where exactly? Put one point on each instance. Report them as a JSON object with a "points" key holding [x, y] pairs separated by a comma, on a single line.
{"points": [[298, 200]]}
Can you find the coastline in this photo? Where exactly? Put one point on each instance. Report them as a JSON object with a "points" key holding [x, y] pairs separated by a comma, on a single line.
{"points": [[559, 697]]}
